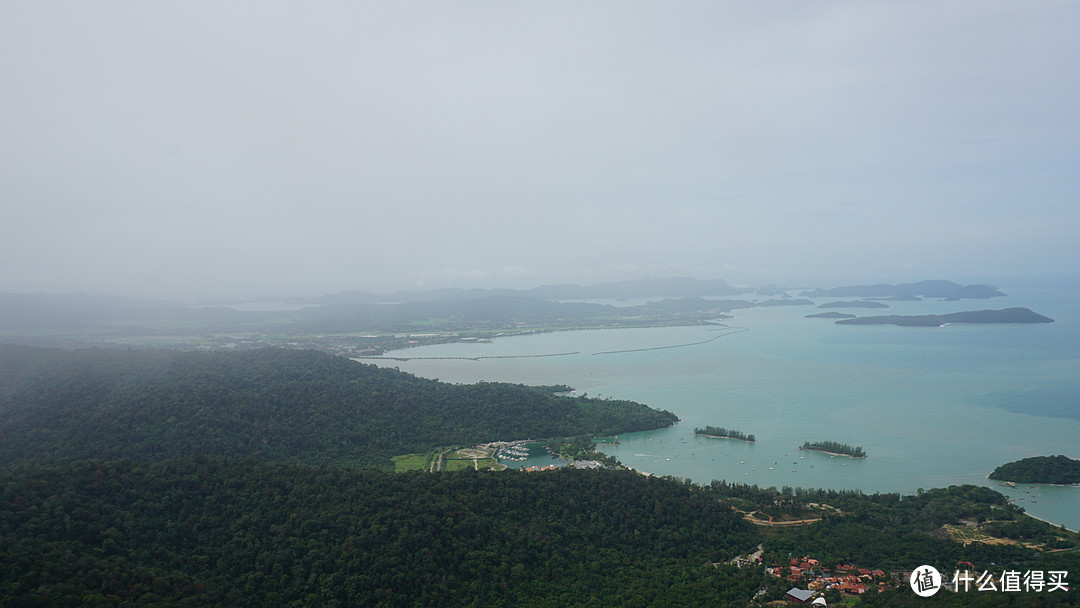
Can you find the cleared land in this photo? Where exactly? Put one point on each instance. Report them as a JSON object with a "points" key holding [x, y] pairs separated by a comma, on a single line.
{"points": [[449, 459]]}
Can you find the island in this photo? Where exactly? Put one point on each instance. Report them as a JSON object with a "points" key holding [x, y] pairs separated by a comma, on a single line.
{"points": [[720, 432], [835, 448], [788, 302], [1007, 315], [854, 304], [1060, 470], [945, 290], [830, 315]]}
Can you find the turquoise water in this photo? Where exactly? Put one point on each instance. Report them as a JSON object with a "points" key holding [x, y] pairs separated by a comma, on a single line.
{"points": [[932, 407]]}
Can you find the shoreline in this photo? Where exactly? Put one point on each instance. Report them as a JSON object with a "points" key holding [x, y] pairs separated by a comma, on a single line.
{"points": [[1037, 483], [385, 354], [864, 479], [1046, 521], [725, 437], [832, 453]]}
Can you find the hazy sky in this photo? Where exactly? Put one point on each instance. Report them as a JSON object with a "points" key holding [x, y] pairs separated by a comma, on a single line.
{"points": [[237, 149]]}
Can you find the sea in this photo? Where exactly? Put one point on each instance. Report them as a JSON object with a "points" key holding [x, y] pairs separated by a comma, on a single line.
{"points": [[930, 406]]}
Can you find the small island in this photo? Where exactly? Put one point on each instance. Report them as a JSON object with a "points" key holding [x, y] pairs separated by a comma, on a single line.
{"points": [[1060, 470], [1007, 315], [835, 448], [720, 432], [830, 315], [854, 304]]}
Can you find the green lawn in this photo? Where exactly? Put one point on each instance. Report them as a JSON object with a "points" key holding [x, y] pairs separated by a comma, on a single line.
{"points": [[412, 462]]}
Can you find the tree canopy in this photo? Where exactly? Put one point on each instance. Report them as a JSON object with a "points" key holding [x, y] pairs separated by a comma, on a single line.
{"points": [[272, 404], [211, 531], [1040, 469]]}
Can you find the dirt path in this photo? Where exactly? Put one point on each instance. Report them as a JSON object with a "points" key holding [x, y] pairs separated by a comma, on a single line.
{"points": [[749, 516], [437, 464]]}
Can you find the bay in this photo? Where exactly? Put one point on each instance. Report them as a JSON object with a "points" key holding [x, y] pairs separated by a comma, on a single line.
{"points": [[932, 407]]}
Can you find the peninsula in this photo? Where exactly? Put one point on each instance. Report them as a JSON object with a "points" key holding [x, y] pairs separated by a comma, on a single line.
{"points": [[1007, 315]]}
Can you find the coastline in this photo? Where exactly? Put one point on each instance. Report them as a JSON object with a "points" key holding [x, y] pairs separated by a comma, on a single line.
{"points": [[1037, 483], [1046, 521], [696, 408], [725, 437], [833, 453]]}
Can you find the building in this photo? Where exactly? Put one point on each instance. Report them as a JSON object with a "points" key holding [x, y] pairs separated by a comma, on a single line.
{"points": [[799, 596]]}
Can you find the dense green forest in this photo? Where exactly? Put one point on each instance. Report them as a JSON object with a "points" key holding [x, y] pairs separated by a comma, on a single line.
{"points": [[210, 531], [719, 431], [1040, 469], [258, 478], [835, 447], [213, 531], [890, 530], [272, 404]]}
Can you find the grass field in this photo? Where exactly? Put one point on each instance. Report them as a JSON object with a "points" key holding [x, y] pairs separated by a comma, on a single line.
{"points": [[452, 460], [412, 462]]}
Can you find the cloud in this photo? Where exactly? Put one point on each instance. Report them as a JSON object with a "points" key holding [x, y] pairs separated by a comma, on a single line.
{"points": [[260, 148]]}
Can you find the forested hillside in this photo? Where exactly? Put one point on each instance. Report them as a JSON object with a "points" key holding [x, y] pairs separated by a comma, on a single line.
{"points": [[1040, 469], [890, 530], [210, 531], [272, 404], [214, 531], [154, 478]]}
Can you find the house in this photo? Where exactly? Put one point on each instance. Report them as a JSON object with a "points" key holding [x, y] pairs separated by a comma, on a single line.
{"points": [[799, 596]]}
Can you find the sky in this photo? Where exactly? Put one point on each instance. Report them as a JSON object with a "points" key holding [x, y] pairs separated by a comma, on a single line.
{"points": [[194, 150]]}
